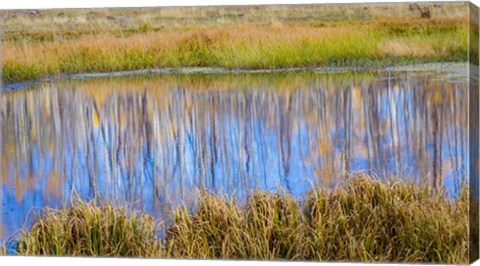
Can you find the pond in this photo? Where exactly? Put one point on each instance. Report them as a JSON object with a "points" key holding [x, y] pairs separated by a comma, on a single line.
{"points": [[151, 141]]}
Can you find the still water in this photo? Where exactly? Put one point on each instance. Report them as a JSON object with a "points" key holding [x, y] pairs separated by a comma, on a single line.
{"points": [[151, 142]]}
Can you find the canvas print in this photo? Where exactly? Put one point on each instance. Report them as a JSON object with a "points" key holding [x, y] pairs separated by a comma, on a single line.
{"points": [[315, 132]]}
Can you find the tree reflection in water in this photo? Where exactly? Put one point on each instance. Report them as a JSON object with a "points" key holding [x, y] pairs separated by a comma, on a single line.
{"points": [[150, 141]]}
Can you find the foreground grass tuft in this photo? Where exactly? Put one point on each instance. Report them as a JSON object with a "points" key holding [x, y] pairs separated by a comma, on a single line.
{"points": [[89, 229], [362, 220]]}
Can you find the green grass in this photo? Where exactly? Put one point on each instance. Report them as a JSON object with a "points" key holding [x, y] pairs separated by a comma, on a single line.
{"points": [[361, 220], [365, 49], [271, 38]]}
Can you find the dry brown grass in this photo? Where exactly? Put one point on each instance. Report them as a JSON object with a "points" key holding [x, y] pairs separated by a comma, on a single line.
{"points": [[57, 25]]}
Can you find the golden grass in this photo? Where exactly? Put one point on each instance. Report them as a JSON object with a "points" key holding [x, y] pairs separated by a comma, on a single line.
{"points": [[235, 46], [278, 42], [362, 220], [89, 229], [65, 24]]}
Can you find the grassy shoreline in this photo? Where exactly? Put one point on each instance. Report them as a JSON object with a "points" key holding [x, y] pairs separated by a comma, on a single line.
{"points": [[362, 220], [383, 35]]}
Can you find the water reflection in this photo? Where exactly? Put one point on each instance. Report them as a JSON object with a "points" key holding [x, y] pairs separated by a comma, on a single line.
{"points": [[151, 141]]}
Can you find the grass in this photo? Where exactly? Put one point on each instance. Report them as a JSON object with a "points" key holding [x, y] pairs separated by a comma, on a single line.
{"points": [[89, 229], [361, 220], [268, 37]]}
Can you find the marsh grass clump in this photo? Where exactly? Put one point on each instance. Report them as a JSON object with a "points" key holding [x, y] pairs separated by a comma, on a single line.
{"points": [[216, 220], [361, 220], [266, 228], [91, 229], [364, 220]]}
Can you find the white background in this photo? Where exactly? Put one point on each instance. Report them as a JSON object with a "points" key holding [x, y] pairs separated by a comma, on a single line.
{"points": [[39, 4]]}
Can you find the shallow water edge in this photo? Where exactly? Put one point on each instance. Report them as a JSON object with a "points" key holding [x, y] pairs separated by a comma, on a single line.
{"points": [[458, 70]]}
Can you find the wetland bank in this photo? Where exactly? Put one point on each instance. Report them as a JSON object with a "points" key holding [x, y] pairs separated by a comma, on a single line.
{"points": [[53, 42], [250, 160]]}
